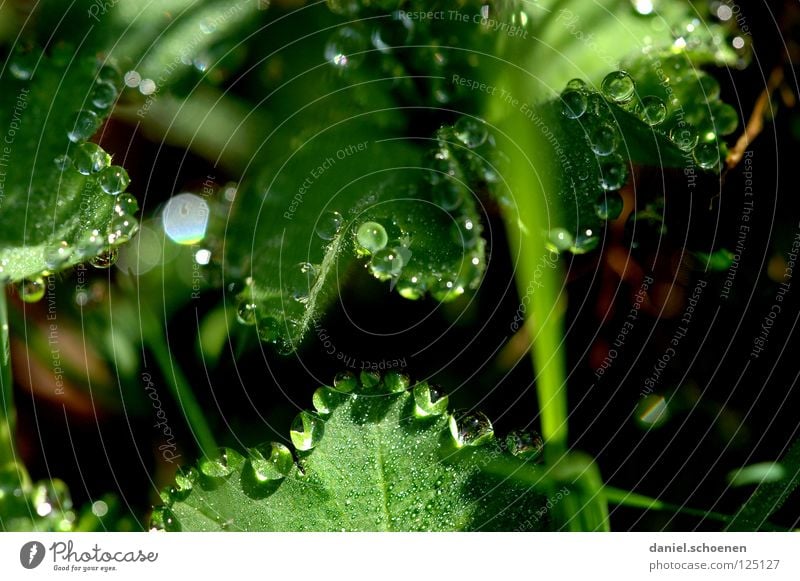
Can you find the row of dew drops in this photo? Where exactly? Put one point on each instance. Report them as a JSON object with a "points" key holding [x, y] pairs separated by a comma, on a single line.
{"points": [[268, 464], [591, 109], [386, 243], [90, 160]]}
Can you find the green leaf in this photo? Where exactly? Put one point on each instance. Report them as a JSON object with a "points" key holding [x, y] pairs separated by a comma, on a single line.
{"points": [[372, 457], [660, 111], [775, 486], [409, 216], [54, 216]]}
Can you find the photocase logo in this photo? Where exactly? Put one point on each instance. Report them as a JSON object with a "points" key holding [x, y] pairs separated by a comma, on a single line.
{"points": [[31, 554]]}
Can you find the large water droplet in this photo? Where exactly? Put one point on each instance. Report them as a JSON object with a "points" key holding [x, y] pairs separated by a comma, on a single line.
{"points": [[103, 95], [613, 173], [573, 103], [371, 237], [410, 288], [306, 431], [386, 264], [271, 461], [609, 207], [328, 225], [471, 132], [725, 118], [221, 465], [345, 382], [185, 218], [125, 204], [113, 180], [684, 136], [269, 329], [707, 155], [122, 229], [105, 259], [246, 312], [31, 290], [604, 139], [184, 483], [470, 429], [90, 158], [56, 255], [527, 445], [85, 125], [396, 382], [428, 401], [618, 86], [559, 240], [163, 519], [369, 379], [653, 111]]}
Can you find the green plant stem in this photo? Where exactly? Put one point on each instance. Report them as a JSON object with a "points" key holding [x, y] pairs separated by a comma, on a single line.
{"points": [[181, 391], [7, 413], [543, 319], [633, 500]]}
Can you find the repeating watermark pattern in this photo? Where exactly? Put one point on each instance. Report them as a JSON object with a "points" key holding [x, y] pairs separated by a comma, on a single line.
{"points": [[169, 448], [350, 361], [572, 22], [53, 335], [547, 261], [315, 174], [680, 333], [627, 327], [8, 140], [775, 310], [480, 18], [743, 231], [542, 511]]}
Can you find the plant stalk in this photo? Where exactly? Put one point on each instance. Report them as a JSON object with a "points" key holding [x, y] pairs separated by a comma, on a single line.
{"points": [[7, 412]]}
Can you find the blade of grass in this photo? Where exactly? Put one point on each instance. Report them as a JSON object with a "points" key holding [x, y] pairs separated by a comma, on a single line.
{"points": [[7, 414], [769, 496]]}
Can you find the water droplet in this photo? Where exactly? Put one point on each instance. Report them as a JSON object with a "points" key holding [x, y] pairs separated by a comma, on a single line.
{"points": [[370, 379], [652, 411], [85, 125], [604, 139], [573, 103], [643, 7], [31, 290], [470, 429], [527, 445], [609, 207], [122, 229], [103, 95], [184, 483], [113, 180], [724, 118], [90, 158], [653, 110], [613, 173], [618, 86], [89, 244], [684, 136], [386, 264], [465, 232], [345, 382], [126, 204], [396, 382], [147, 87], [306, 431], [105, 259], [132, 79], [56, 255], [246, 313], [471, 132], [271, 461], [185, 218], [22, 65], [585, 241], [447, 193], [446, 290], [577, 85], [371, 237], [163, 519], [99, 508], [325, 399], [328, 225], [559, 240], [428, 401], [222, 465], [345, 48], [62, 162], [410, 288], [707, 155]]}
